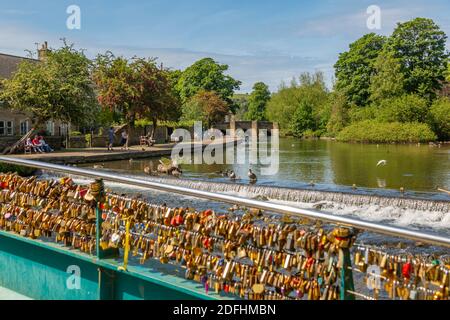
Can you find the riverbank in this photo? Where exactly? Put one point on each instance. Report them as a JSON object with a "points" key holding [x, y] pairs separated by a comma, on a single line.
{"points": [[93, 155]]}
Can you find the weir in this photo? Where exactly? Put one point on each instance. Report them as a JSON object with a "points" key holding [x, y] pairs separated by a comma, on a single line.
{"points": [[38, 268], [309, 196]]}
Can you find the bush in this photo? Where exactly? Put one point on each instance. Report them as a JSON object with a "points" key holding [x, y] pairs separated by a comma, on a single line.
{"points": [[407, 108], [440, 118], [22, 171], [371, 131]]}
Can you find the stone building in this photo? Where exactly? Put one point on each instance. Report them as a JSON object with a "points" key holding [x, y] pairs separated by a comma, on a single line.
{"points": [[15, 124]]}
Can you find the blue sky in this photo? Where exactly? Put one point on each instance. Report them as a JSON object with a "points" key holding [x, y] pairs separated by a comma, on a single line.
{"points": [[270, 41]]}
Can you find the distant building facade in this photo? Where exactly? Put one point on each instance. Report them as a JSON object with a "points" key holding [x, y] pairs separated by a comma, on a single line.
{"points": [[16, 124]]}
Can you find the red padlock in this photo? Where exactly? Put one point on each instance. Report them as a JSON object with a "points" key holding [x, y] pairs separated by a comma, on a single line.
{"points": [[407, 270]]}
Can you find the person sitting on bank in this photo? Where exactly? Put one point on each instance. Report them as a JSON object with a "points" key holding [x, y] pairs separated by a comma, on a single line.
{"points": [[45, 146], [124, 141], [37, 144], [29, 144]]}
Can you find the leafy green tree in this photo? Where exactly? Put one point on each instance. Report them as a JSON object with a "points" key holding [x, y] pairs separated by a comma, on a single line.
{"points": [[205, 106], [138, 89], [407, 108], [419, 45], [241, 102], [57, 88], [208, 75], [339, 117], [440, 118], [355, 68], [310, 88], [302, 119], [258, 101], [388, 81]]}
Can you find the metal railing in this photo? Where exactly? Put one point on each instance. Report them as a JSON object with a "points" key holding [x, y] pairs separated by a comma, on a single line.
{"points": [[424, 237]]}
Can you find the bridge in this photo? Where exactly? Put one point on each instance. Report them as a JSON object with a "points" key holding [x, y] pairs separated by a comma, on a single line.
{"points": [[232, 124]]}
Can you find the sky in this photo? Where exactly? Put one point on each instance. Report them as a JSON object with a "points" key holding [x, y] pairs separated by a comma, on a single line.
{"points": [[270, 41]]}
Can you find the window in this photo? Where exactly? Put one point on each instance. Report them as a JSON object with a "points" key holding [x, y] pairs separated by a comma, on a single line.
{"points": [[23, 127], [6, 128], [9, 128], [51, 128]]}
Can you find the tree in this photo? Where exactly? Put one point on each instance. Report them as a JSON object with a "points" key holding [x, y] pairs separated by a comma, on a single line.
{"points": [[440, 118], [57, 88], [388, 81], [355, 68], [208, 75], [339, 117], [135, 88], [205, 106], [302, 119], [448, 71], [419, 45], [311, 88], [258, 101], [241, 102]]}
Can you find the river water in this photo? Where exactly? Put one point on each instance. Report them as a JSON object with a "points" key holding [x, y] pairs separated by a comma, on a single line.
{"points": [[333, 166]]}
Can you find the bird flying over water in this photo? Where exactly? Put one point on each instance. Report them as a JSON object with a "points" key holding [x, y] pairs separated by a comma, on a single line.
{"points": [[381, 163]]}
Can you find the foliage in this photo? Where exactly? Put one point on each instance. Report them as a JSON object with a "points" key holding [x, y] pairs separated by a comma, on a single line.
{"points": [[339, 113], [241, 101], [440, 118], [57, 88], [388, 80], [355, 67], [302, 119], [257, 102], [370, 131], [207, 75], [407, 108], [419, 45], [205, 106], [310, 89], [137, 89]]}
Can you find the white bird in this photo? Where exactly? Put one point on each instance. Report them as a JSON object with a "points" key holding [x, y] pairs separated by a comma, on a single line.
{"points": [[381, 163]]}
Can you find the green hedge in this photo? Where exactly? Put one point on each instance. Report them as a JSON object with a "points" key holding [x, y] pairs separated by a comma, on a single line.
{"points": [[371, 131], [23, 171]]}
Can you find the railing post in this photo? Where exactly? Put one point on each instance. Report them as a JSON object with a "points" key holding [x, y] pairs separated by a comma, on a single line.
{"points": [[346, 275]]}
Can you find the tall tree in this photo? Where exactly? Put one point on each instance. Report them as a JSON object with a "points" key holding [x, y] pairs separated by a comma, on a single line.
{"points": [[302, 119], [57, 88], [137, 89], [205, 106], [258, 101], [419, 44], [388, 81], [208, 75], [355, 68]]}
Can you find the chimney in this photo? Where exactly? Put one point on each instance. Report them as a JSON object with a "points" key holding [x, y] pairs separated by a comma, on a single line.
{"points": [[42, 52]]}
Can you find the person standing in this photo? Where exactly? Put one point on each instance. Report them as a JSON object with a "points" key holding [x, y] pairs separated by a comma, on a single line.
{"points": [[124, 141], [111, 135]]}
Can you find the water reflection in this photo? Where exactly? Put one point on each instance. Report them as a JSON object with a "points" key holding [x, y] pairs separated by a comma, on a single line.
{"points": [[333, 165]]}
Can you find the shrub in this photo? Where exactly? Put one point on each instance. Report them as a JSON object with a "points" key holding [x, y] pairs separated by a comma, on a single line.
{"points": [[371, 131], [407, 108], [440, 118]]}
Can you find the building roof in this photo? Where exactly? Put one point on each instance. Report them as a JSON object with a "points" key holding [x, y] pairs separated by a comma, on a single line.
{"points": [[9, 63]]}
